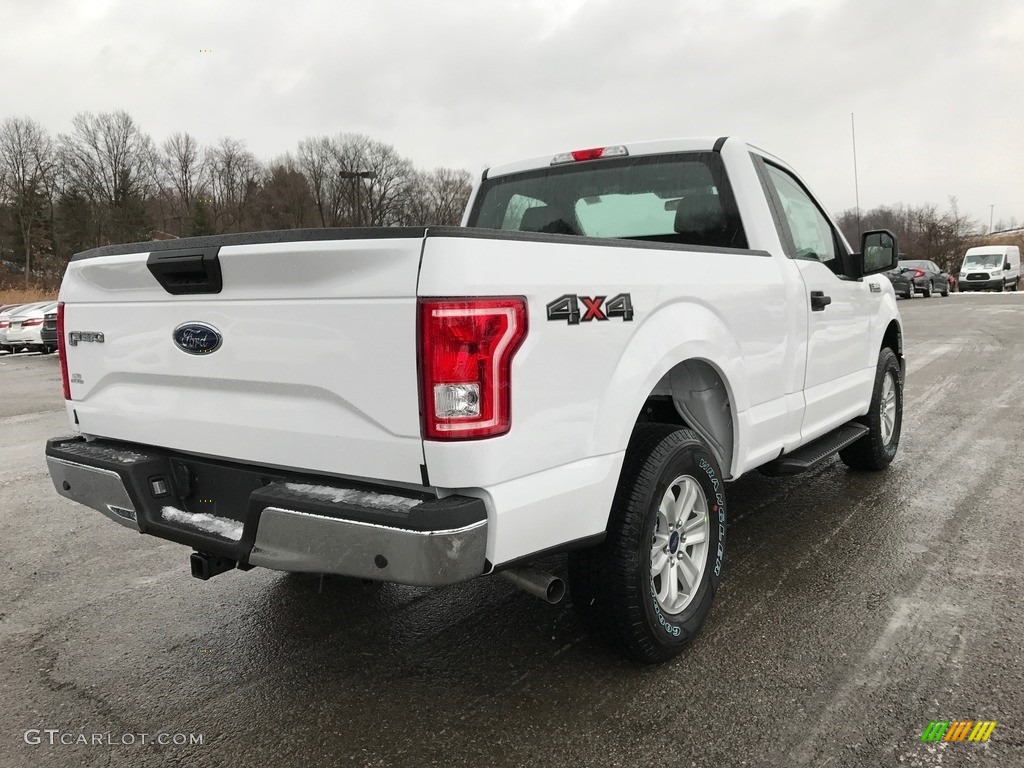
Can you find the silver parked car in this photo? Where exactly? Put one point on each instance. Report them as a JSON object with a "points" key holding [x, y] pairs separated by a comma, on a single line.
{"points": [[22, 328]]}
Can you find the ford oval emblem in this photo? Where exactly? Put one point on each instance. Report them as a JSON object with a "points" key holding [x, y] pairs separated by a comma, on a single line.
{"points": [[197, 338]]}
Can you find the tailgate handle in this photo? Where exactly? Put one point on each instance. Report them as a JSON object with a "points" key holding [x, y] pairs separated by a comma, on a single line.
{"points": [[187, 271]]}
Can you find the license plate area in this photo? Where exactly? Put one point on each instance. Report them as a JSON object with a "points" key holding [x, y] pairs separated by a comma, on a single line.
{"points": [[208, 488]]}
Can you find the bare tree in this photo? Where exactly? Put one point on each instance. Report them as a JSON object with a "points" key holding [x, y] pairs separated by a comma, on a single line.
{"points": [[185, 174], [388, 177], [354, 180], [27, 161], [111, 162], [958, 229], [449, 192], [317, 159], [438, 197], [106, 181], [923, 231], [235, 176], [285, 200]]}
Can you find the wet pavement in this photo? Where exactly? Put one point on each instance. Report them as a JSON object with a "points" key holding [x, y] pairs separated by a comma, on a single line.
{"points": [[855, 609]]}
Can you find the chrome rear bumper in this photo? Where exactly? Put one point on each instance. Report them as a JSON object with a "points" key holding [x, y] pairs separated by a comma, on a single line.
{"points": [[285, 526], [288, 540], [99, 489]]}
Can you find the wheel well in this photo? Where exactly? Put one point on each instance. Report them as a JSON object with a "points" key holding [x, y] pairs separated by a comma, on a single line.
{"points": [[694, 395], [893, 338]]}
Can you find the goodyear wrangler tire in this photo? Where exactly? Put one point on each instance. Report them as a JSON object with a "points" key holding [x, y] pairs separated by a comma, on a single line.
{"points": [[877, 449], [647, 589]]}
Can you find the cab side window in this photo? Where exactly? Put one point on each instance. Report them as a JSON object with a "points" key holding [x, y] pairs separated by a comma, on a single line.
{"points": [[809, 230]]}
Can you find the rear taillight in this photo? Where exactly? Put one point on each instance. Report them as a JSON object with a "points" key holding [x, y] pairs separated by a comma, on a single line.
{"points": [[62, 352], [918, 273], [31, 321], [466, 350], [5, 324]]}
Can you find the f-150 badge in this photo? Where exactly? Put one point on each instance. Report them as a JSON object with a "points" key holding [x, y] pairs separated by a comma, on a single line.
{"points": [[567, 307], [76, 337]]}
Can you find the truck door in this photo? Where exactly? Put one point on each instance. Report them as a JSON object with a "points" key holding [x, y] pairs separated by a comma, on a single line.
{"points": [[837, 383]]}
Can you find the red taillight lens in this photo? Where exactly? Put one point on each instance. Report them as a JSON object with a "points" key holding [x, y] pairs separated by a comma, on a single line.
{"points": [[918, 273], [62, 352], [32, 321], [466, 350], [5, 324]]}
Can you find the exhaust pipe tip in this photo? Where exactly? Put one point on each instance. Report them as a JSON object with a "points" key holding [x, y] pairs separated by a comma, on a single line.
{"points": [[533, 581], [555, 591]]}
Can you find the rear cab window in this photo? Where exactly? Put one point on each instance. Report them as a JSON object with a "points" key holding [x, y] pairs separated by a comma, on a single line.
{"points": [[682, 198]]}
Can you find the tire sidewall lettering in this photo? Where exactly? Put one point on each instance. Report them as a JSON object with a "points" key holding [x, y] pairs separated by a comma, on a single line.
{"points": [[675, 627]]}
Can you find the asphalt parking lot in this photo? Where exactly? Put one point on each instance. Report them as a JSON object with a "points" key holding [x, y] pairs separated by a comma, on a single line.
{"points": [[855, 609]]}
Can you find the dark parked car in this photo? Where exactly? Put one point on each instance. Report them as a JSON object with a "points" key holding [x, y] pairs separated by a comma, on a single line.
{"points": [[49, 331], [902, 281], [928, 277]]}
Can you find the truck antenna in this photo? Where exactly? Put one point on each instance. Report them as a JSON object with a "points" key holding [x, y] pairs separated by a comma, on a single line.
{"points": [[856, 185]]}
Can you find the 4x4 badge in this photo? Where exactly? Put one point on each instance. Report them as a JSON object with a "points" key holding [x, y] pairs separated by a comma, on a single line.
{"points": [[567, 307]]}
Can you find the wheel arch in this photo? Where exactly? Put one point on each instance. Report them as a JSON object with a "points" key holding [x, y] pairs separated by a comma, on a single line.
{"points": [[892, 338], [695, 394], [701, 370]]}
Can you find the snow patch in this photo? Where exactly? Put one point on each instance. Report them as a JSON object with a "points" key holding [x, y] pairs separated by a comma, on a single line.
{"points": [[221, 526], [126, 457], [358, 498], [1004, 294]]}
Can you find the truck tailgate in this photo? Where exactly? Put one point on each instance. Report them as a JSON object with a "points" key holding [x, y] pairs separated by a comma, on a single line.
{"points": [[316, 367]]}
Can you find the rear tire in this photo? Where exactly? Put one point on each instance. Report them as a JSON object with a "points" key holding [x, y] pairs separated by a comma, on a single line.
{"points": [[647, 589], [945, 291], [876, 450], [928, 291]]}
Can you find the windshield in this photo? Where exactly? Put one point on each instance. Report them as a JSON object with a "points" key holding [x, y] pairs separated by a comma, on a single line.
{"points": [[683, 198], [984, 260]]}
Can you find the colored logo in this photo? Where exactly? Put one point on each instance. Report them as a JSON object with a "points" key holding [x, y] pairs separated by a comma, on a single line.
{"points": [[197, 338], [958, 730]]}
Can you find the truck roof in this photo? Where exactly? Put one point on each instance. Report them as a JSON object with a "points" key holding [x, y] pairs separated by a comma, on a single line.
{"points": [[659, 147]]}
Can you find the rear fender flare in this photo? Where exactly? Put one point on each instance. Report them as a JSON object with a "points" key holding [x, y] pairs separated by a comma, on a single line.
{"points": [[672, 335]]}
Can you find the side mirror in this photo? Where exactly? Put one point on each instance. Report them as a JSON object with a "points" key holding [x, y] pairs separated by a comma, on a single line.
{"points": [[879, 252]]}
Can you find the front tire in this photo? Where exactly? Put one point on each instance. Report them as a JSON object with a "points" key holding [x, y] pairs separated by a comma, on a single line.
{"points": [[648, 588], [876, 450]]}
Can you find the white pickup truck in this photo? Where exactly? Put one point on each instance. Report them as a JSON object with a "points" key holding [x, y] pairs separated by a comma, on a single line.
{"points": [[611, 335]]}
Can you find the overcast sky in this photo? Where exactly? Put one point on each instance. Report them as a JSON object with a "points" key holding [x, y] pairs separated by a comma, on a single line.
{"points": [[936, 85]]}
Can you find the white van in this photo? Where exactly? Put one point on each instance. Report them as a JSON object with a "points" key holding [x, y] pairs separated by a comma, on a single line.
{"points": [[990, 267]]}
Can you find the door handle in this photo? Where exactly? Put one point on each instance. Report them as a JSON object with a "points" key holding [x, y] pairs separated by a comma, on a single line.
{"points": [[819, 301]]}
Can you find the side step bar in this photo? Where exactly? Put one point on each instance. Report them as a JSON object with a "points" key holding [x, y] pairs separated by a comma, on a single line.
{"points": [[814, 453]]}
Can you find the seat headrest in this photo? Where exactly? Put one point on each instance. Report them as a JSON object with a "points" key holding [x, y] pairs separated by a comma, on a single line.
{"points": [[701, 221], [545, 219]]}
